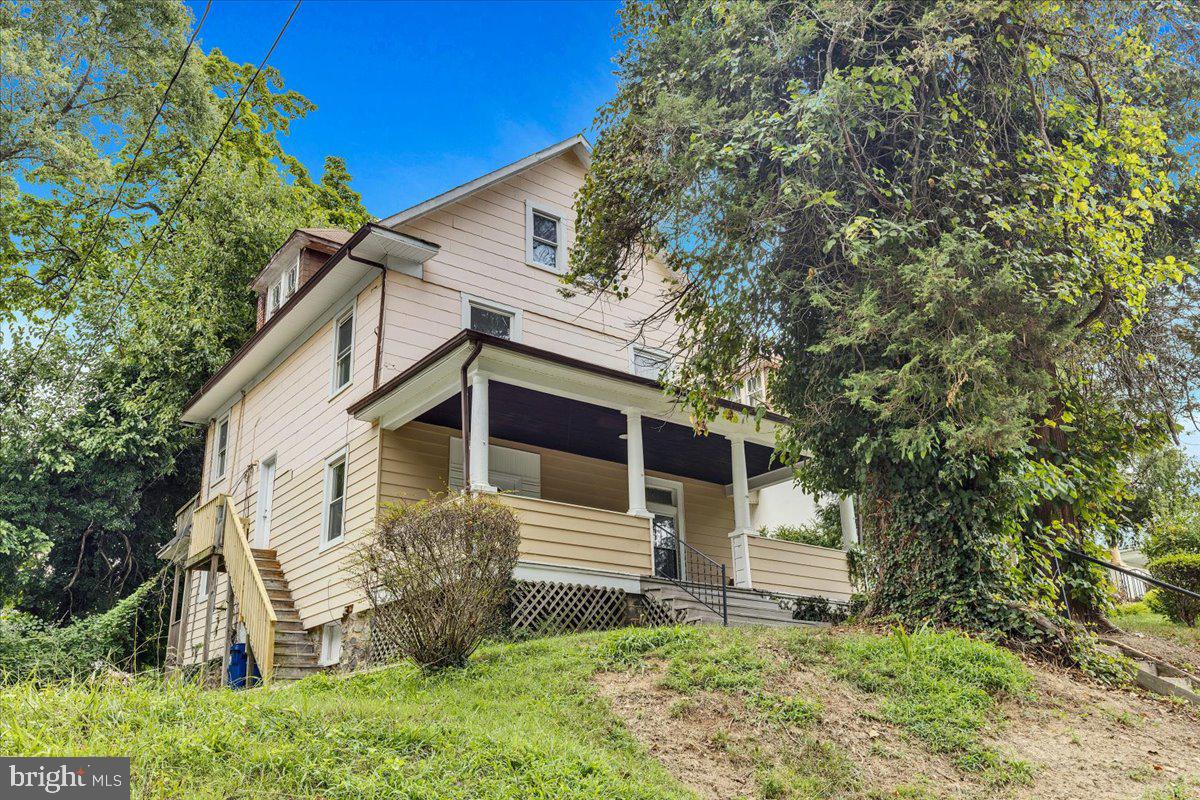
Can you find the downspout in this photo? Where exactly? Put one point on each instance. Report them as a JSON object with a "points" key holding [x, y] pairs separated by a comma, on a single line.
{"points": [[379, 329], [466, 414]]}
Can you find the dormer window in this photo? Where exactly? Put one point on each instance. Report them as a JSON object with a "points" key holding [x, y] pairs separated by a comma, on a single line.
{"points": [[282, 289], [755, 394]]}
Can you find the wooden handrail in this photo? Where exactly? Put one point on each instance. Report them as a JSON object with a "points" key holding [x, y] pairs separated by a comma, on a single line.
{"points": [[254, 604]]}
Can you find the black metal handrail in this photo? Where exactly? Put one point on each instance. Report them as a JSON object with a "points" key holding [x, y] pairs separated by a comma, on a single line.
{"points": [[704, 579], [1142, 576]]}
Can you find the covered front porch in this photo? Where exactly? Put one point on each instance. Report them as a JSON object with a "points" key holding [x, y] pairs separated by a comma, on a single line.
{"points": [[608, 477]]}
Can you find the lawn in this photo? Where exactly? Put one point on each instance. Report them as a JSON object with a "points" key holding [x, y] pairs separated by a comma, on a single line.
{"points": [[1137, 617], [521, 721]]}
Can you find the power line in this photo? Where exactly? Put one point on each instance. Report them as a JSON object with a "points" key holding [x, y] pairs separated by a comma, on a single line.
{"points": [[165, 227], [83, 260]]}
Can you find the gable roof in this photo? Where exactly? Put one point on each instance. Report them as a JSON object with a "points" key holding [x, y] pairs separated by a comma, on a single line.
{"points": [[576, 144]]}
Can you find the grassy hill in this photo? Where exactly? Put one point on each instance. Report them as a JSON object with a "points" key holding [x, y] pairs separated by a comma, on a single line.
{"points": [[639, 713]]}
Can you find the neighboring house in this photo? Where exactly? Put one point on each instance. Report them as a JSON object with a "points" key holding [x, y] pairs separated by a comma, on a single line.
{"points": [[434, 350]]}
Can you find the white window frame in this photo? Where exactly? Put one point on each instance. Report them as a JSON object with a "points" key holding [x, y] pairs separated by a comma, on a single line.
{"points": [[202, 586], [331, 644], [516, 329], [530, 485], [290, 282], [346, 313], [217, 475], [653, 351], [550, 212], [326, 498]]}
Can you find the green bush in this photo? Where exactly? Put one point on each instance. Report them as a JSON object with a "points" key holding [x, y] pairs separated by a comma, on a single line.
{"points": [[1183, 570], [121, 637], [825, 530]]}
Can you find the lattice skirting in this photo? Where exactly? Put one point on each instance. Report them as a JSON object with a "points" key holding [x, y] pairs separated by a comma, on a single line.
{"points": [[541, 606], [567, 607]]}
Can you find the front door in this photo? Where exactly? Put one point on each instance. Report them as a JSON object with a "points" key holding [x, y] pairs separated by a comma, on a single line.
{"points": [[266, 492], [663, 503]]}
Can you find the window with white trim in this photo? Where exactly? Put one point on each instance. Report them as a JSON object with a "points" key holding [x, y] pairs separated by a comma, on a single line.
{"points": [[343, 350], [220, 449], [509, 470], [334, 523], [202, 587], [646, 362], [494, 319], [331, 644], [754, 390], [282, 290], [543, 239]]}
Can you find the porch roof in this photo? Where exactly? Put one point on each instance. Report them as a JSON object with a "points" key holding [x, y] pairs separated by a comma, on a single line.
{"points": [[545, 399]]}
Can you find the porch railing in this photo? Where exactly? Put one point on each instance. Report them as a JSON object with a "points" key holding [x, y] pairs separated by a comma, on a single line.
{"points": [[704, 579]]}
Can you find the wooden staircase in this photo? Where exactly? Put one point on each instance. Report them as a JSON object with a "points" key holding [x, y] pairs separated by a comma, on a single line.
{"points": [[746, 606], [295, 656]]}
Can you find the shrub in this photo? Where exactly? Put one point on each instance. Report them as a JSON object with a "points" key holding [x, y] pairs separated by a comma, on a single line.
{"points": [[1181, 569], [123, 637], [440, 569], [825, 530]]}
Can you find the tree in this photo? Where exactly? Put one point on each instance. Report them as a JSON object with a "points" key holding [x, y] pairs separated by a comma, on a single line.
{"points": [[950, 224], [93, 459]]}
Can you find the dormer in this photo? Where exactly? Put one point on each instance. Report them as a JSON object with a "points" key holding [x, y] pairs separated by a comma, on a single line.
{"points": [[291, 266]]}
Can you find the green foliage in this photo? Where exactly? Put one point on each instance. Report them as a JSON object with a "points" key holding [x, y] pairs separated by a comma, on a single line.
{"points": [[123, 637], [630, 645], [93, 460], [962, 230], [825, 530], [943, 688], [1183, 570], [1165, 510]]}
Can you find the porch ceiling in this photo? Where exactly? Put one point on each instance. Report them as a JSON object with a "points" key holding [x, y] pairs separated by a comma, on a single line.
{"points": [[524, 415]]}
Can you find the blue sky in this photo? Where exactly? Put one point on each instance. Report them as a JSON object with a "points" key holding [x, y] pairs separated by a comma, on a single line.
{"points": [[420, 97]]}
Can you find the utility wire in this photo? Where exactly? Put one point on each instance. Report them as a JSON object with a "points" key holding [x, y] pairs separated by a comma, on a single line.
{"points": [[83, 260], [165, 227]]}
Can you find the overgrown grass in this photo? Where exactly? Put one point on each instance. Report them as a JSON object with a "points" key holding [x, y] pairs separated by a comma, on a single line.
{"points": [[520, 721], [1139, 618], [942, 688], [523, 720]]}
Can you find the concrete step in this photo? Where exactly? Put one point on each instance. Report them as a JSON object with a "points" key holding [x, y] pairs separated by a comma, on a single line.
{"points": [[288, 674]]}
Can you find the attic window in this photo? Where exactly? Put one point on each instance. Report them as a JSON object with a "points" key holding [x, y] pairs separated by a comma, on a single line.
{"points": [[282, 289], [543, 239]]}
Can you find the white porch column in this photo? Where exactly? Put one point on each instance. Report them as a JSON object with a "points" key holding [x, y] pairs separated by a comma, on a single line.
{"points": [[635, 460], [739, 538], [741, 486], [479, 434], [849, 522]]}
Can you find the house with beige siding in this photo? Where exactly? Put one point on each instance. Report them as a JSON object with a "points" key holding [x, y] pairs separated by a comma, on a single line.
{"points": [[434, 351]]}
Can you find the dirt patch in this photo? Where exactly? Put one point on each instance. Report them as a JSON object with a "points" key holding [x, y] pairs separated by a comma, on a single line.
{"points": [[1082, 740], [1091, 742]]}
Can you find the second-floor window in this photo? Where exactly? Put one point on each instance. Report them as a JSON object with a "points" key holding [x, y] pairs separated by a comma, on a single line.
{"points": [[220, 448], [755, 393], [650, 363], [335, 501], [343, 350], [491, 318]]}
